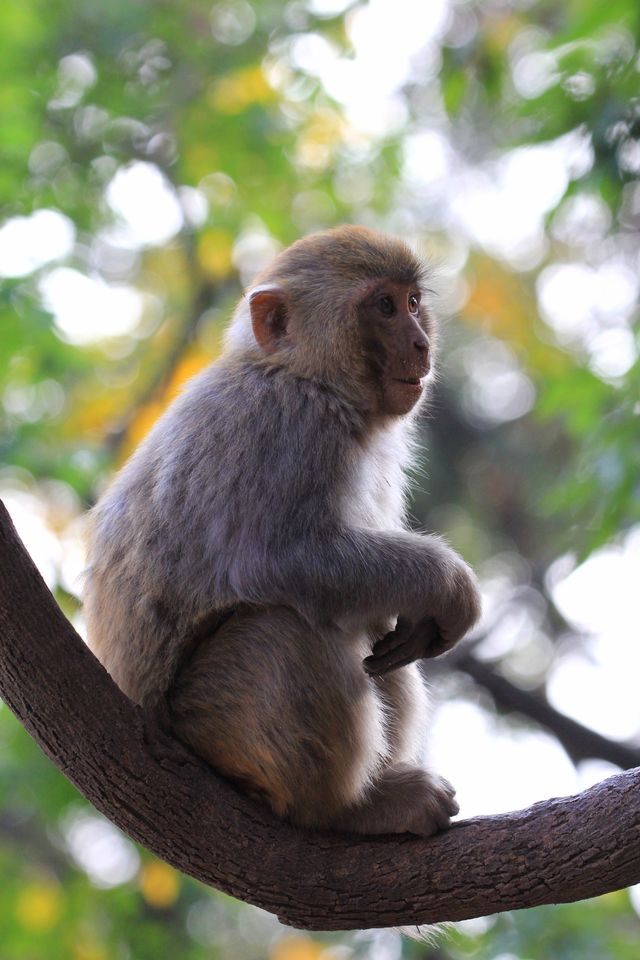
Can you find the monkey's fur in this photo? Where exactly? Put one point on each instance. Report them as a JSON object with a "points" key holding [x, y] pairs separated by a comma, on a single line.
{"points": [[253, 551]]}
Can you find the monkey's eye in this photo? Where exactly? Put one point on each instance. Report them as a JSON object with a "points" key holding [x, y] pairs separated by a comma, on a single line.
{"points": [[387, 306], [413, 303]]}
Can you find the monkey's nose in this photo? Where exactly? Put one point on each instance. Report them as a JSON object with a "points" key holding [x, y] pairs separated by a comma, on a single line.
{"points": [[421, 343]]}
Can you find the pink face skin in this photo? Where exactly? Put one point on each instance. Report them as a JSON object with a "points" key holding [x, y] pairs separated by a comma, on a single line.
{"points": [[396, 335]]}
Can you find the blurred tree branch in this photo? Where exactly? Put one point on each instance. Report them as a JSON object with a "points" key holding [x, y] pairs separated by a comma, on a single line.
{"points": [[580, 742], [205, 294], [26, 835], [147, 784], [203, 298]]}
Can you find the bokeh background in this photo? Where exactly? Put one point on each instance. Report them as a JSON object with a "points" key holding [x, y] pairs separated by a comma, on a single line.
{"points": [[154, 156]]}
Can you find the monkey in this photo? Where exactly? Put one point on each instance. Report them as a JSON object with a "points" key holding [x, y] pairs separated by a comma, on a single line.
{"points": [[251, 569]]}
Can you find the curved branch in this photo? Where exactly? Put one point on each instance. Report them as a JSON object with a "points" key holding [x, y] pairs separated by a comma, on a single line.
{"points": [[148, 785]]}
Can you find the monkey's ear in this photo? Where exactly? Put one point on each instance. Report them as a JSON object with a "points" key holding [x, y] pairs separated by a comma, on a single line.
{"points": [[269, 316]]}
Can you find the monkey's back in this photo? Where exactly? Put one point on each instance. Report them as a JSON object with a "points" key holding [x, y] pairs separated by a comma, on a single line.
{"points": [[237, 468]]}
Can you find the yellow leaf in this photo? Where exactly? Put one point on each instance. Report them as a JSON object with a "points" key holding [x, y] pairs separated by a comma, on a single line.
{"points": [[499, 32], [39, 906], [199, 159], [324, 132], [191, 363], [296, 948], [90, 410], [502, 305], [237, 91], [159, 884], [214, 253], [88, 950], [139, 428]]}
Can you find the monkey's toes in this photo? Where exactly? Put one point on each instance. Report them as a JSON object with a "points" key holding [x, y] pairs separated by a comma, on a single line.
{"points": [[436, 809], [450, 791], [440, 806]]}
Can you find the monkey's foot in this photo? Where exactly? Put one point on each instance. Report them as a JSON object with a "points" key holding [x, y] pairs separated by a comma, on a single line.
{"points": [[438, 806], [405, 799]]}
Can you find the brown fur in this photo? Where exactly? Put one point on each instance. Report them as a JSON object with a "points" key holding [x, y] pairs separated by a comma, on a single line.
{"points": [[254, 551]]}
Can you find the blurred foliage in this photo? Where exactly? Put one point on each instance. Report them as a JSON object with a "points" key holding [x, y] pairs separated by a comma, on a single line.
{"points": [[534, 442], [530, 74]]}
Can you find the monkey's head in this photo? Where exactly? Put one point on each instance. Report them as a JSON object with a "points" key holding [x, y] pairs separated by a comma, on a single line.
{"points": [[346, 307]]}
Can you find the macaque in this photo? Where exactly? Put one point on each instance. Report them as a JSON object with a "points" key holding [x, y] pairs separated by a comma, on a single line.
{"points": [[251, 571]]}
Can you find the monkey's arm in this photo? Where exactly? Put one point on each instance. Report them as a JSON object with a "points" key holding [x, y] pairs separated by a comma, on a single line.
{"points": [[373, 574], [293, 548]]}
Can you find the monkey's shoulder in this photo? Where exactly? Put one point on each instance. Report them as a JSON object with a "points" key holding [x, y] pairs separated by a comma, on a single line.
{"points": [[242, 432], [232, 404]]}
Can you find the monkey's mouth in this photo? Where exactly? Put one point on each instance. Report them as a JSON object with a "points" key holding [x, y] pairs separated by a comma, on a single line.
{"points": [[409, 381]]}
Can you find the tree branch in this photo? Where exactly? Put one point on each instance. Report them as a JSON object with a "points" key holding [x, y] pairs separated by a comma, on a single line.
{"points": [[205, 296], [580, 742], [556, 851]]}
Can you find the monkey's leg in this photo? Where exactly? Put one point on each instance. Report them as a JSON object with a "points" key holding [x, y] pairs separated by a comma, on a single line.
{"points": [[287, 713], [426, 800], [406, 707], [292, 716], [406, 796]]}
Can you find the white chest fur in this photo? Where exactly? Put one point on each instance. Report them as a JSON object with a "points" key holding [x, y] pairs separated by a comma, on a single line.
{"points": [[375, 497]]}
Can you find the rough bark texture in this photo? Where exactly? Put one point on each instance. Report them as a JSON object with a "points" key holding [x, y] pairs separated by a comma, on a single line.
{"points": [[556, 851]]}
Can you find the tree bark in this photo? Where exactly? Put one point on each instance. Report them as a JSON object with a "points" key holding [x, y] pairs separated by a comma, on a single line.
{"points": [[557, 851]]}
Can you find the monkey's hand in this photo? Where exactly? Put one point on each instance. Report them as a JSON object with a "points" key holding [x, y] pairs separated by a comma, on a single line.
{"points": [[408, 642], [432, 634]]}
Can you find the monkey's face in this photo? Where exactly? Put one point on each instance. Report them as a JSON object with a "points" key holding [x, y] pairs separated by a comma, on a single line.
{"points": [[344, 307], [394, 329]]}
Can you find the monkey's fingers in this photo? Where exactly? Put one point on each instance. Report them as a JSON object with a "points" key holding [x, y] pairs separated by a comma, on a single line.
{"points": [[429, 637], [393, 639], [436, 646], [398, 657]]}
